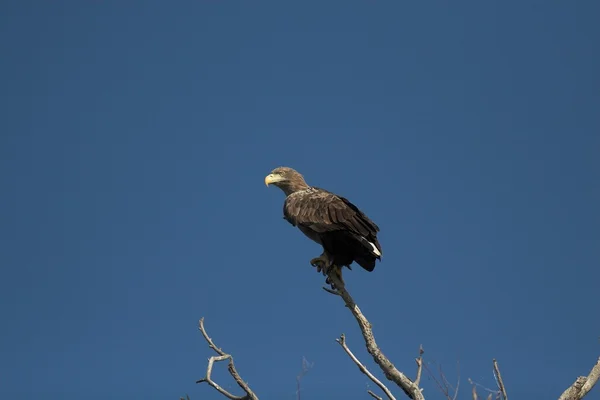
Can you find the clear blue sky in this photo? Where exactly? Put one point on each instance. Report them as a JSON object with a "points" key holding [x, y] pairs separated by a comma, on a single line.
{"points": [[135, 137]]}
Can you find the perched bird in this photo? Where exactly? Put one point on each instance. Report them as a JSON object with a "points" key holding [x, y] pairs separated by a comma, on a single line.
{"points": [[346, 234]]}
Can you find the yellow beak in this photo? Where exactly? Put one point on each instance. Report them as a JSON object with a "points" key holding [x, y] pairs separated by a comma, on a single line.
{"points": [[272, 178]]}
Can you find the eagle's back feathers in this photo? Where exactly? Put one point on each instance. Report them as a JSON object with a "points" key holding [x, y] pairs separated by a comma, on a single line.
{"points": [[336, 223]]}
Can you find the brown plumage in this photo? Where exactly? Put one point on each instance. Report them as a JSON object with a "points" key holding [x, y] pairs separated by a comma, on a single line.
{"points": [[346, 233]]}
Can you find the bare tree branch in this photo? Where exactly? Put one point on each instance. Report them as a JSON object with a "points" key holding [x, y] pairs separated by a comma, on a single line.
{"points": [[391, 372], [457, 381], [419, 361], [580, 388], [443, 385], [363, 369], [499, 380], [208, 380], [231, 367], [373, 395], [582, 384], [447, 386], [438, 383], [490, 391], [305, 367], [474, 391]]}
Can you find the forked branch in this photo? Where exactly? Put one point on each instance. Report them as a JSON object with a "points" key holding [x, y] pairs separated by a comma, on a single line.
{"points": [[442, 383], [305, 367], [419, 361], [222, 356], [391, 372], [364, 370], [582, 385], [476, 396]]}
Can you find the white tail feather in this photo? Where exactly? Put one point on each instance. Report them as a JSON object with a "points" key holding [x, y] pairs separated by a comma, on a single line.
{"points": [[375, 250]]}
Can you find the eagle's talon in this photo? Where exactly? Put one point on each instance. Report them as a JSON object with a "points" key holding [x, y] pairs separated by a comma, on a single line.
{"points": [[320, 263], [332, 291]]}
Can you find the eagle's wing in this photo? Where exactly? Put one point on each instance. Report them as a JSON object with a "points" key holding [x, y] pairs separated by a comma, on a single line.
{"points": [[323, 211]]}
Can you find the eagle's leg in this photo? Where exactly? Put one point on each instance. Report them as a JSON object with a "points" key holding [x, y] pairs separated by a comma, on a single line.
{"points": [[337, 271], [324, 263]]}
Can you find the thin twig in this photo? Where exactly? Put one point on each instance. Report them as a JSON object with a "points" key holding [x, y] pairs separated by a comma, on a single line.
{"points": [[305, 367], [363, 369], [499, 380], [231, 367], [373, 395], [390, 371], [490, 391], [582, 384], [457, 380], [442, 386]]}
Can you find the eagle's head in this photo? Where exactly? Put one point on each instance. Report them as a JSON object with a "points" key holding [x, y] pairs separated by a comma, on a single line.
{"points": [[287, 179]]}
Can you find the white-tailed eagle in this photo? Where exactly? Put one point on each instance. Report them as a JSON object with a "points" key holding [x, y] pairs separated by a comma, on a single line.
{"points": [[346, 234]]}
